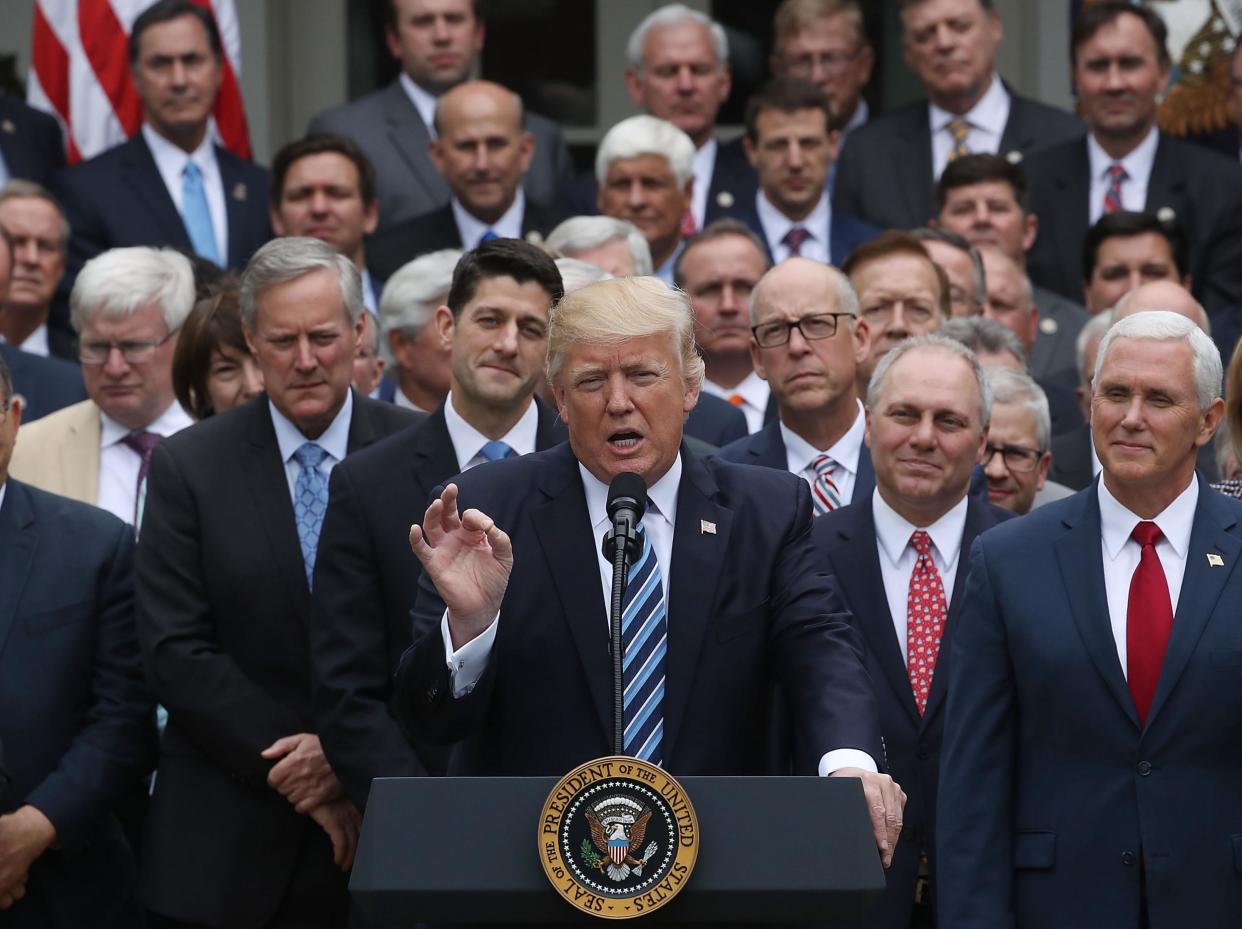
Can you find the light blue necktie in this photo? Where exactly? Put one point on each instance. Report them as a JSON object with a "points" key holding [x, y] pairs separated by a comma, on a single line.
{"points": [[644, 635], [310, 502], [488, 236], [196, 215], [496, 449]]}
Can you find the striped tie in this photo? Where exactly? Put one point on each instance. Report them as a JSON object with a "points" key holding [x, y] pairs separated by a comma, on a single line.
{"points": [[644, 635], [1112, 195], [824, 493]]}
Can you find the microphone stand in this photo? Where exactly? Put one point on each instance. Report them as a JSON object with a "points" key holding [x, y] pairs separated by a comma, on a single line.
{"points": [[626, 549]]}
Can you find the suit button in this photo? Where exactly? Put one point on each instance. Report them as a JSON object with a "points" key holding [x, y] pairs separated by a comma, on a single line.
{"points": [[1144, 768], [1127, 858]]}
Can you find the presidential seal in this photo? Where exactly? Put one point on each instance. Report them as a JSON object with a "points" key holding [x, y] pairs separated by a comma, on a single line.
{"points": [[618, 837]]}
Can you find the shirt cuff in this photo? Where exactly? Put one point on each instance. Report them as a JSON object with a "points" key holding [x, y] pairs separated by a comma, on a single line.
{"points": [[846, 758], [467, 664]]}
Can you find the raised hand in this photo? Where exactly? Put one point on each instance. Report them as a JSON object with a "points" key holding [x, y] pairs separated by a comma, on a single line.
{"points": [[468, 558]]}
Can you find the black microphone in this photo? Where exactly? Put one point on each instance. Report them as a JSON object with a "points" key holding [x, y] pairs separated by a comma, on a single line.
{"points": [[627, 499]]}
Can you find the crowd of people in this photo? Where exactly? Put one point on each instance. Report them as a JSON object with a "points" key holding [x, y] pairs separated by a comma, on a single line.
{"points": [[303, 470]]}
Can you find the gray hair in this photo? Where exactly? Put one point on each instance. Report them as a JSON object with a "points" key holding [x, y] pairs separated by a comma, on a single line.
{"points": [[583, 233], [1165, 326], [675, 14], [286, 259], [121, 281], [577, 274], [22, 188], [415, 289], [646, 135], [934, 340], [980, 334], [1014, 387], [847, 296], [1092, 331]]}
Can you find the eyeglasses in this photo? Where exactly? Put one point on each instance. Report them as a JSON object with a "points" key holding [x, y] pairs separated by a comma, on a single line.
{"points": [[133, 351], [830, 62], [1016, 457], [813, 328]]}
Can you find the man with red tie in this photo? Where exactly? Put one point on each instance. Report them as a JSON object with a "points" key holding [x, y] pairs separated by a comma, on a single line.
{"points": [[898, 555], [1090, 740]]}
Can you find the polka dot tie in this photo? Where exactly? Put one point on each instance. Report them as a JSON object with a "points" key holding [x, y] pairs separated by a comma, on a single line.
{"points": [[926, 611], [310, 501]]}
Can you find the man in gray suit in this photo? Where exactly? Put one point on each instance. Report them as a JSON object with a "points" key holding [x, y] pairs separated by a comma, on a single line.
{"points": [[437, 43]]}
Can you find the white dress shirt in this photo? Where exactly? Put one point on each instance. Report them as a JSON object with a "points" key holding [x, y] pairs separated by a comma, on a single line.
{"points": [[703, 168], [776, 226], [468, 441], [3, 488], [119, 464], [897, 558], [334, 440], [1138, 165], [801, 454], [1121, 553], [987, 120], [401, 400], [424, 102], [171, 161], [509, 226], [665, 271], [35, 343], [754, 392]]}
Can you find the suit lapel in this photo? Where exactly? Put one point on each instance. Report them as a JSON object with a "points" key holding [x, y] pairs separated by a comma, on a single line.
{"points": [[1166, 187], [768, 448], [143, 178], [1082, 569], [79, 455], [916, 182], [434, 460], [18, 539], [696, 555], [1202, 585], [1073, 183], [236, 196], [269, 492], [864, 480], [409, 138]]}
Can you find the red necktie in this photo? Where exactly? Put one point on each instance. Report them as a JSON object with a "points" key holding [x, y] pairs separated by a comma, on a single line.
{"points": [[794, 239], [688, 226], [737, 399], [926, 612], [1112, 195], [1149, 620]]}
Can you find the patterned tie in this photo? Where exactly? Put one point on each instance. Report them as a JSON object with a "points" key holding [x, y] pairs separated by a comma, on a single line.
{"points": [[144, 444], [196, 215], [496, 450], [644, 635], [959, 131], [1149, 620], [310, 501], [1112, 196], [794, 239], [489, 235], [925, 616], [824, 493]]}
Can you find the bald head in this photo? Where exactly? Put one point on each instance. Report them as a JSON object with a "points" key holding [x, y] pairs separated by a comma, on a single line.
{"points": [[481, 150], [1163, 295], [1009, 296], [802, 280]]}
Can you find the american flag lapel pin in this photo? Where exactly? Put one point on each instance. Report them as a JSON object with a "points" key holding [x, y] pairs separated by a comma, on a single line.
{"points": [[706, 528], [8, 126], [1215, 560], [239, 192]]}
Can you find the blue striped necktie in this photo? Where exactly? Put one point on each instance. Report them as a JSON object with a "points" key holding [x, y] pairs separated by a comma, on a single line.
{"points": [[644, 634]]}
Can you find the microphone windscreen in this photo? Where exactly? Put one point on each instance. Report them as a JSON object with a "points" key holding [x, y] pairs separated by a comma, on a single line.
{"points": [[630, 490]]}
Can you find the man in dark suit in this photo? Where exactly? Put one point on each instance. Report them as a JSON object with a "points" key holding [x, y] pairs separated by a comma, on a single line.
{"points": [[169, 184], [38, 232], [899, 557], [807, 341], [438, 45], [79, 721], [1088, 719], [31, 144], [791, 140], [888, 171], [622, 388], [366, 577], [483, 153], [1126, 163], [248, 824], [1124, 250]]}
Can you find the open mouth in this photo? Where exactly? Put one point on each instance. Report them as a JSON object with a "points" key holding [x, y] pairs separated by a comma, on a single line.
{"points": [[624, 440]]}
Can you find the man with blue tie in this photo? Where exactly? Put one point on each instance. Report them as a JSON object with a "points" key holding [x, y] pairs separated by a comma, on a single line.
{"points": [[1091, 758], [248, 824], [510, 657]]}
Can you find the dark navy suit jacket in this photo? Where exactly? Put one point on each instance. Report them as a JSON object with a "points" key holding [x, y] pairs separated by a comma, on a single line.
{"points": [[746, 608], [844, 234], [48, 384], [1052, 795], [78, 719], [846, 546], [767, 449], [30, 141], [714, 421]]}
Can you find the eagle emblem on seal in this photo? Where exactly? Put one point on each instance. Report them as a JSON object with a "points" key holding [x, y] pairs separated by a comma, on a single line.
{"points": [[619, 824]]}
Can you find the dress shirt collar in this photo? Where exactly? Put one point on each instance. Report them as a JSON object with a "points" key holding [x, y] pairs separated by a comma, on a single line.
{"points": [[170, 422], [776, 224], [424, 102], [334, 440], [990, 114], [753, 389], [36, 343], [663, 493], [468, 441], [401, 400], [862, 113], [1138, 162], [1175, 521], [844, 451], [3, 487], [665, 271], [171, 160], [370, 299], [509, 226], [703, 167], [893, 531]]}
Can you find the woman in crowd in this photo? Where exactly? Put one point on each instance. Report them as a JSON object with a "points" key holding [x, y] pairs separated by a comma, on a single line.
{"points": [[212, 369]]}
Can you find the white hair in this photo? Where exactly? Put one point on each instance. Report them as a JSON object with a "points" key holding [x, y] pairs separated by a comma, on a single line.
{"points": [[1092, 331], [953, 347], [415, 289], [583, 233], [286, 259], [646, 135], [121, 281], [577, 274], [675, 14], [1014, 387], [1165, 326]]}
